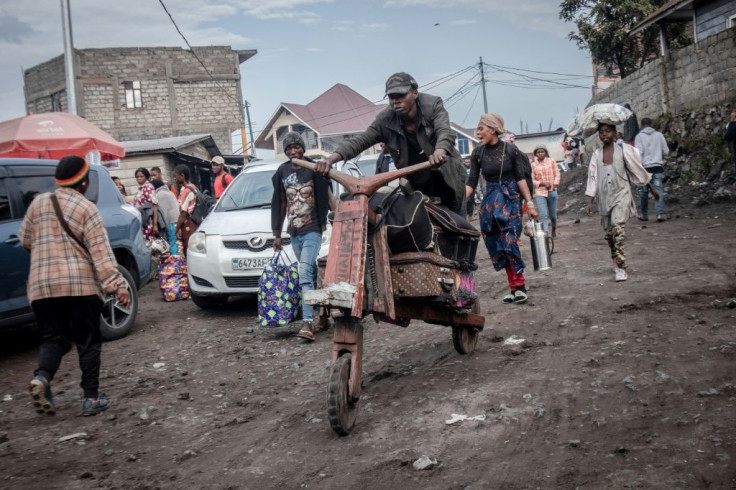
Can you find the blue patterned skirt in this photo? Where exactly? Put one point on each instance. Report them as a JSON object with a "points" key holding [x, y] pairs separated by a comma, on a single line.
{"points": [[500, 224]]}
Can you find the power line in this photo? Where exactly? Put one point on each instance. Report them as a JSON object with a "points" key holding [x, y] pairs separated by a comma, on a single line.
{"points": [[471, 105], [440, 81], [541, 72], [240, 104], [459, 91], [428, 86], [461, 95], [529, 77]]}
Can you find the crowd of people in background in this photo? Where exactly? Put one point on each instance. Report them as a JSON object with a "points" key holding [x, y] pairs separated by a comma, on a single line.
{"points": [[510, 182], [166, 208]]}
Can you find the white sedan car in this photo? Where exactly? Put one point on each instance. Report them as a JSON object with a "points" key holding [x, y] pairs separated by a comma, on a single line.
{"points": [[227, 254]]}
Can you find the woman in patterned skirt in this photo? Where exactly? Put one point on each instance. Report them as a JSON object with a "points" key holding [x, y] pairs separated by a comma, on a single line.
{"points": [[502, 166]]}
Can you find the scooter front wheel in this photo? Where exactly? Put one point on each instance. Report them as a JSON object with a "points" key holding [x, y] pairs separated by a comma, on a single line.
{"points": [[465, 338], [342, 410]]}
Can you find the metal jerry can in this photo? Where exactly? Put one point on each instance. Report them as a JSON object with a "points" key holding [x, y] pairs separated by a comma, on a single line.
{"points": [[540, 247]]}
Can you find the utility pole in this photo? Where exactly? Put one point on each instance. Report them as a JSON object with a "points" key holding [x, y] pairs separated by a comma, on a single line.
{"points": [[483, 84], [250, 127], [71, 80]]}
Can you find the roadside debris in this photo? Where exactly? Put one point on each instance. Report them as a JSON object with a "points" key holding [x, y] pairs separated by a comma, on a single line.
{"points": [[456, 417], [424, 463]]}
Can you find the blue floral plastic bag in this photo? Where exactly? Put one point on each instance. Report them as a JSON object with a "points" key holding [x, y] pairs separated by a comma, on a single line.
{"points": [[279, 292]]}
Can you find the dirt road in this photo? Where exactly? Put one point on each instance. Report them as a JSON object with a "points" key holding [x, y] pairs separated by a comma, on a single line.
{"points": [[618, 385]]}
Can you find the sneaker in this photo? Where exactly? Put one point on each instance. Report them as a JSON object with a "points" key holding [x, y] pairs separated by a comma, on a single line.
{"points": [[93, 406], [621, 274], [643, 218], [520, 296], [509, 298], [661, 217], [41, 397]]}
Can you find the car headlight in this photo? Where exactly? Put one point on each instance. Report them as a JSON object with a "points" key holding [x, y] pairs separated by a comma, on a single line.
{"points": [[198, 243]]}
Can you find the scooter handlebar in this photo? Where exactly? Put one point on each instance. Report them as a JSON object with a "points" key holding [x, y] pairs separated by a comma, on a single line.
{"points": [[365, 184]]}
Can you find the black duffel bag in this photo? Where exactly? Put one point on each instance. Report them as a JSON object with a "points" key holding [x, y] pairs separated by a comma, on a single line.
{"points": [[406, 219]]}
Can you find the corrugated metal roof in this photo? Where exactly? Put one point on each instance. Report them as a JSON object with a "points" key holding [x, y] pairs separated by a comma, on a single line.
{"points": [[674, 10], [163, 144]]}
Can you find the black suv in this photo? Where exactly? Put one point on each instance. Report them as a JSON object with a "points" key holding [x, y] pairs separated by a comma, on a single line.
{"points": [[20, 181]]}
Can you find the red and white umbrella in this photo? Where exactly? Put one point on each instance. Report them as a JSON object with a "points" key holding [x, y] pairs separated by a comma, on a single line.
{"points": [[53, 135]]}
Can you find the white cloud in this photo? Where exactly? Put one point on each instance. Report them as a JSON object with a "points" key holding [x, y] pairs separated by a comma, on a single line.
{"points": [[314, 50], [377, 25], [463, 22], [279, 9], [541, 15]]}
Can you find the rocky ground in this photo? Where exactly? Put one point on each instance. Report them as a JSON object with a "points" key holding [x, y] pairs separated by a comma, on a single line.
{"points": [[615, 385]]}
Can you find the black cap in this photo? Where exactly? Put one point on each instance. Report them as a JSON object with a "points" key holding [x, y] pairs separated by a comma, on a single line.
{"points": [[400, 83]]}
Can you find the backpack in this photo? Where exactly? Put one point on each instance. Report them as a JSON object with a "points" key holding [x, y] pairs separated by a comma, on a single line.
{"points": [[526, 165], [202, 206]]}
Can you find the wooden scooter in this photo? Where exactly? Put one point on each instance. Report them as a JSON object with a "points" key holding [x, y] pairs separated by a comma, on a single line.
{"points": [[358, 281]]}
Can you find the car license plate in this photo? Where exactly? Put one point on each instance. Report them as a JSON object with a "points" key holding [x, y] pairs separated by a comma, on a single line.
{"points": [[244, 264]]}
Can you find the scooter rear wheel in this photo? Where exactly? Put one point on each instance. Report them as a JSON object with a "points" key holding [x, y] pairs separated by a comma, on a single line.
{"points": [[342, 411]]}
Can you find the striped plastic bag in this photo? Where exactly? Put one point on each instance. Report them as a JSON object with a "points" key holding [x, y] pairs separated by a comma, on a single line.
{"points": [[279, 292]]}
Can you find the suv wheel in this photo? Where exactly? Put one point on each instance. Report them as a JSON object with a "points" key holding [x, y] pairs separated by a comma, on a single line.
{"points": [[116, 319], [208, 302]]}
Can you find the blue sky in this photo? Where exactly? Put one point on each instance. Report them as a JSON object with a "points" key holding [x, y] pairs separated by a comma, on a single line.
{"points": [[306, 46]]}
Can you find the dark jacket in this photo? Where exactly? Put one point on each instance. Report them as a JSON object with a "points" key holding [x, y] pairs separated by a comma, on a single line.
{"points": [[321, 195], [631, 128], [731, 138], [147, 215], [433, 132]]}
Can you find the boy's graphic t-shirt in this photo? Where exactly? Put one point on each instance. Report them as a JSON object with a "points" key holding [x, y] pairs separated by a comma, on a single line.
{"points": [[301, 205]]}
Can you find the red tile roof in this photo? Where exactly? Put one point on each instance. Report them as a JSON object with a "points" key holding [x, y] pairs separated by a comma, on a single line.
{"points": [[339, 110]]}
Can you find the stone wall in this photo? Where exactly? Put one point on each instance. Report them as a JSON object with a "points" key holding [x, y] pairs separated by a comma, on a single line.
{"points": [[697, 76], [178, 96]]}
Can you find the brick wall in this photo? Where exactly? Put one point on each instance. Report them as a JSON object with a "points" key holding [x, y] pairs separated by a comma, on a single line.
{"points": [[43, 80], [178, 96], [699, 75]]}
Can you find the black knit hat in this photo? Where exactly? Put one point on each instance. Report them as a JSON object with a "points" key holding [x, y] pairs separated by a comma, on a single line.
{"points": [[71, 171], [293, 138]]}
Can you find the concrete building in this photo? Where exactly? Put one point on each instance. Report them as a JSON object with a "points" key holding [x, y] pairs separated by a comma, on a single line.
{"points": [[148, 93], [551, 139]]}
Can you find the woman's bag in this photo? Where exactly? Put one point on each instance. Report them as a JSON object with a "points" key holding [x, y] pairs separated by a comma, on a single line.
{"points": [[172, 277], [279, 292]]}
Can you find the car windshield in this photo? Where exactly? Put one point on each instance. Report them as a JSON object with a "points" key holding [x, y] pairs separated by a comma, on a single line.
{"points": [[252, 190], [367, 166]]}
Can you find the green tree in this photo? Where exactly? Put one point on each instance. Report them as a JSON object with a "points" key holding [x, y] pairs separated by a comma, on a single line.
{"points": [[603, 28]]}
